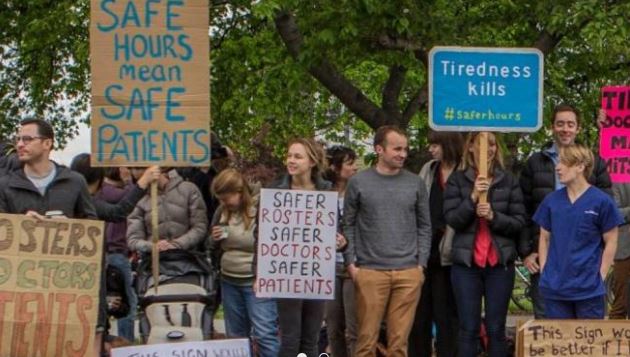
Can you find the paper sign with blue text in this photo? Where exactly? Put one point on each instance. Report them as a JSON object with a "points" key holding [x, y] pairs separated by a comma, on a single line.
{"points": [[150, 83], [485, 89]]}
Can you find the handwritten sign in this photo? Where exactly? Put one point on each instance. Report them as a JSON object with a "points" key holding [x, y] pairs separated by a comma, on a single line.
{"points": [[217, 348], [485, 89], [614, 141], [296, 244], [574, 338], [49, 284], [150, 82]]}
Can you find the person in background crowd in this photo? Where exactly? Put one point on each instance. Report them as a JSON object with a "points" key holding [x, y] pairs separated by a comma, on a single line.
{"points": [[621, 267], [114, 213], [245, 314], [437, 302], [340, 315], [583, 221], [116, 184], [484, 244], [301, 319], [387, 224], [9, 160], [539, 178], [183, 223], [202, 177]]}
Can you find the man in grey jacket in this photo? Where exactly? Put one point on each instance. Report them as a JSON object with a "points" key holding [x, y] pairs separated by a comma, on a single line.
{"points": [[388, 228]]}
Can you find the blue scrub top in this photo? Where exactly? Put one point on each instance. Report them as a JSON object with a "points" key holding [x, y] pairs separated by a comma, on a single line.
{"points": [[576, 244]]}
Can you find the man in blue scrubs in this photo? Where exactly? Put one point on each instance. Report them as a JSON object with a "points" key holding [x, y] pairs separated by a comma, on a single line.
{"points": [[578, 239]]}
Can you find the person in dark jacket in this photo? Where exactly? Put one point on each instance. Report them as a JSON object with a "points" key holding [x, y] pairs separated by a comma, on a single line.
{"points": [[94, 176], [539, 178], [341, 316], [41, 185], [437, 302], [484, 244], [114, 212]]}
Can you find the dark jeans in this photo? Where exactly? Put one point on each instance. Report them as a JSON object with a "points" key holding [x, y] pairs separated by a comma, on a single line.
{"points": [[494, 286], [300, 323], [437, 304], [341, 318], [537, 301]]}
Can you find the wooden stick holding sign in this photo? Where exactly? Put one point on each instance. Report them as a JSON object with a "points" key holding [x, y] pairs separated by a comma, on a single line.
{"points": [[155, 232], [483, 163]]}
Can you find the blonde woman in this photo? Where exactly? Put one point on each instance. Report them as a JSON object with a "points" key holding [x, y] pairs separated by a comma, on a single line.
{"points": [[301, 319], [484, 244]]}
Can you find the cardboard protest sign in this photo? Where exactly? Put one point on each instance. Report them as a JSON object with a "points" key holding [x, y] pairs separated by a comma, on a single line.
{"points": [[50, 275], [150, 82], [614, 141], [574, 338], [231, 348], [296, 244]]}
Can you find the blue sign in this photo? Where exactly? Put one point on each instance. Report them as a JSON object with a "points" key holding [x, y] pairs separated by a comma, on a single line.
{"points": [[485, 89]]}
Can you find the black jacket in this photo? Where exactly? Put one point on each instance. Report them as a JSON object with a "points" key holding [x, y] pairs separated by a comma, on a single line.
{"points": [[506, 201], [537, 180], [67, 192]]}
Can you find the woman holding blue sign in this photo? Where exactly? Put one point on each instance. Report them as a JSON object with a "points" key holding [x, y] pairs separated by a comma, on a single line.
{"points": [[484, 244]]}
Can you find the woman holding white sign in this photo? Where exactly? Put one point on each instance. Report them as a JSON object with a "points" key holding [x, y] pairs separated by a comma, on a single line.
{"points": [[301, 319], [232, 233], [484, 244]]}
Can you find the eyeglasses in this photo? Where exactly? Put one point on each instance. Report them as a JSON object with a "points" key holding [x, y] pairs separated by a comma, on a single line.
{"points": [[26, 139]]}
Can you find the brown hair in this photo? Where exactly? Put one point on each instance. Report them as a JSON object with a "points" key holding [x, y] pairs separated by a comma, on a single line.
{"points": [[452, 144], [468, 159], [565, 108], [578, 154], [232, 181], [316, 153], [381, 134]]}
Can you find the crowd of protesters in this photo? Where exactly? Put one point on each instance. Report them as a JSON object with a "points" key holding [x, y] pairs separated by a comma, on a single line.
{"points": [[420, 258]]}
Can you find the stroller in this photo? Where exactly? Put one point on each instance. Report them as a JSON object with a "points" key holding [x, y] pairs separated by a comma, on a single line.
{"points": [[186, 301]]}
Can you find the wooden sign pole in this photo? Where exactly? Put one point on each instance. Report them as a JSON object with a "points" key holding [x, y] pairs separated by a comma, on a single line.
{"points": [[155, 232], [483, 162]]}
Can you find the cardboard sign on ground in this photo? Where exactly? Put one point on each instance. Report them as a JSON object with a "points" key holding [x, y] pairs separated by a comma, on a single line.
{"points": [[573, 338], [50, 274]]}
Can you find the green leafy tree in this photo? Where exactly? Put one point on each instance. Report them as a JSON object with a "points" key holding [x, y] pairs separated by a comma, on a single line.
{"points": [[336, 69]]}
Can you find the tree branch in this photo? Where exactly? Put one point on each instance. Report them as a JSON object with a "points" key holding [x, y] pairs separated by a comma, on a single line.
{"points": [[416, 102], [391, 91], [329, 76]]}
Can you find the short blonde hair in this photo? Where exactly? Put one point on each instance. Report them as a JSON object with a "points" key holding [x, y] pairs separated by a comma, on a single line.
{"points": [[577, 154]]}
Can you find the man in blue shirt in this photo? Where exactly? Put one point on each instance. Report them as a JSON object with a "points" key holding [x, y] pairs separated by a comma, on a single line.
{"points": [[578, 239]]}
